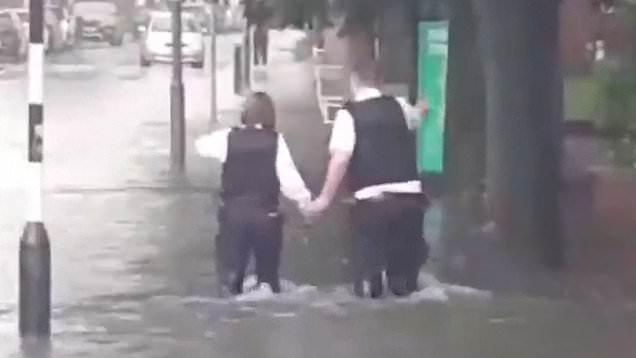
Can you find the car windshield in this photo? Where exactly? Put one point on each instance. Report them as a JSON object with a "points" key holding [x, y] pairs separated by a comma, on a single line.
{"points": [[190, 8], [5, 20], [195, 10], [102, 7], [23, 15], [164, 24]]}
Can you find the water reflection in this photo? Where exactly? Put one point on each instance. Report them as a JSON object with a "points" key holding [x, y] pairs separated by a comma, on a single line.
{"points": [[36, 348], [441, 320], [143, 285]]}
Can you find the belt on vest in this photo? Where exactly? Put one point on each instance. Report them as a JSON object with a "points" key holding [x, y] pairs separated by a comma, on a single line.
{"points": [[419, 199]]}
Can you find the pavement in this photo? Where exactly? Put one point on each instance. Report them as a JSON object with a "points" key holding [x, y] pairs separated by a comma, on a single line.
{"points": [[132, 246]]}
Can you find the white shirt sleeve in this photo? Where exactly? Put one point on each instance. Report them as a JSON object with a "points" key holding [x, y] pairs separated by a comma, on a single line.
{"points": [[343, 134], [291, 183], [213, 145], [412, 114]]}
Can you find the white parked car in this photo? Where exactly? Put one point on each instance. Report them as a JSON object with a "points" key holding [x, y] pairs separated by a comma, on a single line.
{"points": [[13, 40], [22, 15], [157, 41]]}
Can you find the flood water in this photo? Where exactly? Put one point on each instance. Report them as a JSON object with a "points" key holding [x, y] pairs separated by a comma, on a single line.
{"points": [[144, 286]]}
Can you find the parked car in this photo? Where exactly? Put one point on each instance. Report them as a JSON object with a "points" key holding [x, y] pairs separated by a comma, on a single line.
{"points": [[23, 16], [59, 29], [13, 41], [99, 20], [157, 41]]}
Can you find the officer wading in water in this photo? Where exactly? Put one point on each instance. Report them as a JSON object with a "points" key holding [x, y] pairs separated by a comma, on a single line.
{"points": [[257, 167], [372, 141]]}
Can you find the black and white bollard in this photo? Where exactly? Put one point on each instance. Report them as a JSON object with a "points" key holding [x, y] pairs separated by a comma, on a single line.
{"points": [[35, 253]]}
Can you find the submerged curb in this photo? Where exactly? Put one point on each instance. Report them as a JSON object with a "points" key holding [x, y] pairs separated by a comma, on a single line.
{"points": [[51, 69], [69, 69], [9, 70], [128, 72]]}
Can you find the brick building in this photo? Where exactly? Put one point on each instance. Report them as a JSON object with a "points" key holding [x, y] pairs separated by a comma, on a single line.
{"points": [[590, 29]]}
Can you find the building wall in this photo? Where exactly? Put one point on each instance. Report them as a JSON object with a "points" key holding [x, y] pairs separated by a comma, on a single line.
{"points": [[578, 28], [582, 23]]}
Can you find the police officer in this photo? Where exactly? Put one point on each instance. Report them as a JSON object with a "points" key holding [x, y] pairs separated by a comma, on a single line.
{"points": [[257, 167], [371, 139]]}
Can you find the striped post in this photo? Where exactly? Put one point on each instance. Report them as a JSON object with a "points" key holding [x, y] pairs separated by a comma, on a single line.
{"points": [[35, 253]]}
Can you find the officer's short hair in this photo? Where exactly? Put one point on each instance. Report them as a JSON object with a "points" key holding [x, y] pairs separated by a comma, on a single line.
{"points": [[259, 109], [367, 71]]}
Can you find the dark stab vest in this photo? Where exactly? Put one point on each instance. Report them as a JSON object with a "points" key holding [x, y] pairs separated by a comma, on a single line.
{"points": [[249, 171], [385, 150]]}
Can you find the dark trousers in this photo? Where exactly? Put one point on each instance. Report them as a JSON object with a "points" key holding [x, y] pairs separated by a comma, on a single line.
{"points": [[388, 239], [261, 44], [248, 229]]}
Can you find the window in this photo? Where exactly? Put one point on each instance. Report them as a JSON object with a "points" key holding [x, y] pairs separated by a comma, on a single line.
{"points": [[5, 21], [24, 16], [164, 24], [604, 6], [597, 49]]}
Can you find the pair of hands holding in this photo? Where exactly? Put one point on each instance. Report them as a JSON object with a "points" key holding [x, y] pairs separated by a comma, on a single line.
{"points": [[313, 208]]}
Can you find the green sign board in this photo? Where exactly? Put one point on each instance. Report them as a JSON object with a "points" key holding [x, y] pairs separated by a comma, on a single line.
{"points": [[432, 59]]}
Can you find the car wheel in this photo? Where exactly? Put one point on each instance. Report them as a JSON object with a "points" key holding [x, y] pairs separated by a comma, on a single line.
{"points": [[24, 56], [14, 46], [117, 40], [144, 62], [53, 45], [48, 41], [70, 41]]}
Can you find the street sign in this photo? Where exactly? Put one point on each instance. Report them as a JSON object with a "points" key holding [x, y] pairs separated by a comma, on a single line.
{"points": [[432, 59]]}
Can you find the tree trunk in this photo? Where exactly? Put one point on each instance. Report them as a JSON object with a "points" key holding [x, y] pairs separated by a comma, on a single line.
{"points": [[396, 33], [465, 134], [359, 29], [520, 40], [466, 103]]}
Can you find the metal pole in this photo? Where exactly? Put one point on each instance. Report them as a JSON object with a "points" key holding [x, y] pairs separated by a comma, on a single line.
{"points": [[35, 252], [247, 57], [177, 111], [213, 99], [238, 63]]}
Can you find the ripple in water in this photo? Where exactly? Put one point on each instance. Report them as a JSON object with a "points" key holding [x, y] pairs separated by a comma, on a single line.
{"points": [[334, 301]]}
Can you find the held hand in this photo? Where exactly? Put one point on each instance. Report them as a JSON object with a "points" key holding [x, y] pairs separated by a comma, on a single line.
{"points": [[316, 207], [302, 204]]}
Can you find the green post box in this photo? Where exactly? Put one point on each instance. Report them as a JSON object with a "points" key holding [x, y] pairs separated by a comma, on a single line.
{"points": [[432, 60]]}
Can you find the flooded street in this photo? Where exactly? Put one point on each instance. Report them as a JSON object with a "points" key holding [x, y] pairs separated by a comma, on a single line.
{"points": [[142, 285]]}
